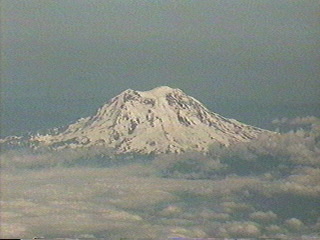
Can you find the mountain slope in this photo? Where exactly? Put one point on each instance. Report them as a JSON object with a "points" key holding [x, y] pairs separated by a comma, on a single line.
{"points": [[162, 120]]}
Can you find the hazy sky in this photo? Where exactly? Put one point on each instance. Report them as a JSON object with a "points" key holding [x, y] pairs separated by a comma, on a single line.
{"points": [[252, 50]]}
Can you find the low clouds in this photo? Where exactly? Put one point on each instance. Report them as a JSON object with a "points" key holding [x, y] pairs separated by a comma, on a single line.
{"points": [[240, 229], [264, 217], [297, 121], [269, 187]]}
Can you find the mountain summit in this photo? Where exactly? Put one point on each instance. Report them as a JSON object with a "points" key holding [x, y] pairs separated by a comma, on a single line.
{"points": [[162, 120]]}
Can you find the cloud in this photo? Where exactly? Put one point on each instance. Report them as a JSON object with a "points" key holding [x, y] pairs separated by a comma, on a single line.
{"points": [[294, 224], [233, 207], [241, 229], [119, 200], [274, 229], [116, 201], [63, 194], [186, 233], [12, 230], [264, 217], [297, 121], [277, 154]]}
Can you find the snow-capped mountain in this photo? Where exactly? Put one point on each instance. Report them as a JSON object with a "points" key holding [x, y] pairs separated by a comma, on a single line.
{"points": [[162, 120]]}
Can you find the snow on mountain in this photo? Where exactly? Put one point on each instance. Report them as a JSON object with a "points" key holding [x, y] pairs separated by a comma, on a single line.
{"points": [[162, 120]]}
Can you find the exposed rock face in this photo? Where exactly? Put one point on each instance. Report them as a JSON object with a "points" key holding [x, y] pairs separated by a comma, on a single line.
{"points": [[162, 120]]}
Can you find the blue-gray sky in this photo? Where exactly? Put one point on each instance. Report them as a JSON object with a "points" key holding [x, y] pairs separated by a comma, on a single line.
{"points": [[252, 50]]}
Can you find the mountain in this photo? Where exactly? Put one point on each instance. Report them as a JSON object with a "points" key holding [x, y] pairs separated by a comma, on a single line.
{"points": [[162, 120]]}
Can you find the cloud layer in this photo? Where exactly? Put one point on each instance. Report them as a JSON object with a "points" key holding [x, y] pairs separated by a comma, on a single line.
{"points": [[269, 187]]}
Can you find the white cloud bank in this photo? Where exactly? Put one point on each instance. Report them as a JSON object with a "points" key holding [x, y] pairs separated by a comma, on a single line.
{"points": [[56, 195]]}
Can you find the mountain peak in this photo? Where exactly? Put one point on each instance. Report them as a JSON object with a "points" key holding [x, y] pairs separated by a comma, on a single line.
{"points": [[161, 120], [159, 91], [156, 92]]}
